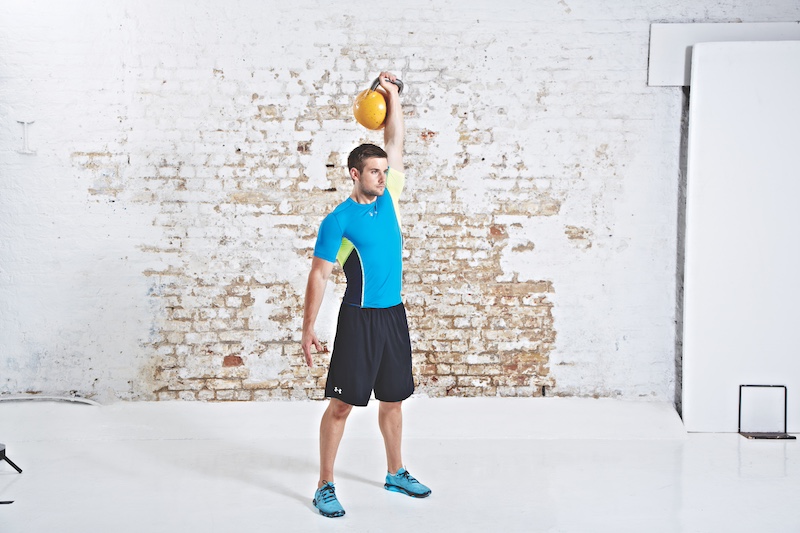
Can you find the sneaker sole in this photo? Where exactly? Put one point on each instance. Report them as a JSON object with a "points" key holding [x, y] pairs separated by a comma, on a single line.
{"points": [[337, 514], [395, 488]]}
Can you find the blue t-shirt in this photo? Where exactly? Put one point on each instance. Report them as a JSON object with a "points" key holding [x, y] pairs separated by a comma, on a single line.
{"points": [[366, 240]]}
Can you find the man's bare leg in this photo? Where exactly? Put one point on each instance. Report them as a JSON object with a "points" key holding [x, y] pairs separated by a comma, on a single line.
{"points": [[331, 430], [390, 420]]}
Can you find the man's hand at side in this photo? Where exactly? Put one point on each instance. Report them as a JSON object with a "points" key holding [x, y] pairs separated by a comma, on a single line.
{"points": [[309, 339]]}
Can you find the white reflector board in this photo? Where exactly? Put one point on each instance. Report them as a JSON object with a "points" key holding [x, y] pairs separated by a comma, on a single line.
{"points": [[670, 60], [742, 275]]}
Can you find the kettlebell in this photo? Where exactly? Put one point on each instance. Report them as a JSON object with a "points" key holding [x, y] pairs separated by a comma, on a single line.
{"points": [[370, 106]]}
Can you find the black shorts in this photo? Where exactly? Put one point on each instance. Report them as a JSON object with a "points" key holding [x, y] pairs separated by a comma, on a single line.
{"points": [[371, 351]]}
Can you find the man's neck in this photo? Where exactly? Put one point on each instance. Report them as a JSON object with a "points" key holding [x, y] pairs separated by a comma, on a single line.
{"points": [[361, 198]]}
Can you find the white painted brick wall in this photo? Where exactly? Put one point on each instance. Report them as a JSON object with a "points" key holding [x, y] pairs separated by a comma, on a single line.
{"points": [[165, 223]]}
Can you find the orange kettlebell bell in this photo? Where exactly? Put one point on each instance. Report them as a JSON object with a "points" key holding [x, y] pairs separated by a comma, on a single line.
{"points": [[370, 106]]}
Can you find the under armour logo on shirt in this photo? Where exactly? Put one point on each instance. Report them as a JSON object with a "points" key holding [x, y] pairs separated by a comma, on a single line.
{"points": [[337, 390]]}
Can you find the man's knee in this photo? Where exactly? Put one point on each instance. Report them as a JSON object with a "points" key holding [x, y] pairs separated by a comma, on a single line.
{"points": [[391, 407], [339, 409]]}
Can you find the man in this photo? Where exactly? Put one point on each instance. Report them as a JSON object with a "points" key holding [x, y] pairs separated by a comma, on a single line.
{"points": [[372, 349]]}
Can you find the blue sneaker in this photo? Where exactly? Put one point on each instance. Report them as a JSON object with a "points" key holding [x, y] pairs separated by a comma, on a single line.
{"points": [[325, 501], [404, 482]]}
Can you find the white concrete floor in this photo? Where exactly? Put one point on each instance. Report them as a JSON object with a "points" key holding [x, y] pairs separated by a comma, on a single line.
{"points": [[547, 464]]}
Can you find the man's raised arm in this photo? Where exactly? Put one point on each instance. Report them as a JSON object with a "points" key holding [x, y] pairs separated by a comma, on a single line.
{"points": [[394, 129]]}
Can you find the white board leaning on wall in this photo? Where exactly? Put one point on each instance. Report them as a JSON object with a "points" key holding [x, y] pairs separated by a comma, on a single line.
{"points": [[742, 276]]}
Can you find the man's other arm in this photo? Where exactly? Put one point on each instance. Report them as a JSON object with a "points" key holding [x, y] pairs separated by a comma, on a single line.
{"points": [[315, 290]]}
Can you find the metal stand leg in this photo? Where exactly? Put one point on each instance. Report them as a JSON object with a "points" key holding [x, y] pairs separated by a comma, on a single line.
{"points": [[9, 461], [5, 458]]}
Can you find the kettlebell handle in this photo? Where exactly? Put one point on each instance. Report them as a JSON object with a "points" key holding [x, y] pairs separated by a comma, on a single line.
{"points": [[378, 82]]}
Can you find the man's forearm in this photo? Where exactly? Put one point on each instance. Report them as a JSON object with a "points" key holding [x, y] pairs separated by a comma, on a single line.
{"points": [[394, 130], [315, 290]]}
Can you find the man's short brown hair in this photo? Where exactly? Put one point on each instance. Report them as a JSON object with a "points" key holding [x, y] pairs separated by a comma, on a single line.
{"points": [[358, 157]]}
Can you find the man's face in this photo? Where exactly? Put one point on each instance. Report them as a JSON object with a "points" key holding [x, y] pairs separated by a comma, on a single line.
{"points": [[372, 180]]}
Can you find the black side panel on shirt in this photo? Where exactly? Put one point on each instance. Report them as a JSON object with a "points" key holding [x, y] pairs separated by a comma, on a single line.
{"points": [[355, 278]]}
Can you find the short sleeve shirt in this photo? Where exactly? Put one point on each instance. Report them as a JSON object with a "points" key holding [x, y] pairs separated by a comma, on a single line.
{"points": [[366, 240]]}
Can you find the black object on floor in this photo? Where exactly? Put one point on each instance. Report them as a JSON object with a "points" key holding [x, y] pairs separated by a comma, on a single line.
{"points": [[779, 435]]}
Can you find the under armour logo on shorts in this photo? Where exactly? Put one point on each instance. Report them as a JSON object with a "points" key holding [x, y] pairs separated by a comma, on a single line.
{"points": [[337, 390]]}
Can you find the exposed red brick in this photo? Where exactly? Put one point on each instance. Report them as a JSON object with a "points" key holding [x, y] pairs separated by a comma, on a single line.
{"points": [[497, 231], [232, 360]]}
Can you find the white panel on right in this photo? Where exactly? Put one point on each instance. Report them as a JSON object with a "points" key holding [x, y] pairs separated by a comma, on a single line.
{"points": [[742, 275]]}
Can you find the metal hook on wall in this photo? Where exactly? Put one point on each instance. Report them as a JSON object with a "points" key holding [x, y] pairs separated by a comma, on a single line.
{"points": [[25, 148]]}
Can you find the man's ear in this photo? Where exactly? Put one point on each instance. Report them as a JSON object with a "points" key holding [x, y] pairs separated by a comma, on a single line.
{"points": [[354, 175]]}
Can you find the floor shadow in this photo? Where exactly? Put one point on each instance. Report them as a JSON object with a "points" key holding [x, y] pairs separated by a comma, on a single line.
{"points": [[256, 463]]}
